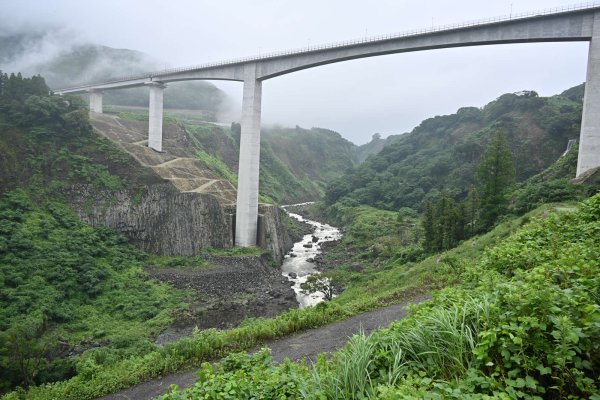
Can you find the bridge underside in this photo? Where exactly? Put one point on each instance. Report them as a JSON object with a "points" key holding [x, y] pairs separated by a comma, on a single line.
{"points": [[578, 25]]}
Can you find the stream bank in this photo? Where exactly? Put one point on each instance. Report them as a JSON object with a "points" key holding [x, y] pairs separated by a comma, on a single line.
{"points": [[225, 293], [230, 289], [299, 263]]}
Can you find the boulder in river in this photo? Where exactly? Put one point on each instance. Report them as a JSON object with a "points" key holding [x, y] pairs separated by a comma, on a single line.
{"points": [[307, 245], [315, 239], [293, 275], [293, 255]]}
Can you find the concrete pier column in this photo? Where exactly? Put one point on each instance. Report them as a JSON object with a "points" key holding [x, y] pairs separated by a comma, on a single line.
{"points": [[247, 191], [155, 116], [96, 101], [589, 139]]}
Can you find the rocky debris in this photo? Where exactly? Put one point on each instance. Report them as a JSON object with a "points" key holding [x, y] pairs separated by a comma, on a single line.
{"points": [[297, 229], [230, 290]]}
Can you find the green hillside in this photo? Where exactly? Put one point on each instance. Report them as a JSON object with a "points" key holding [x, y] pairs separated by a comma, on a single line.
{"points": [[66, 287], [374, 146], [441, 154], [515, 311], [296, 164]]}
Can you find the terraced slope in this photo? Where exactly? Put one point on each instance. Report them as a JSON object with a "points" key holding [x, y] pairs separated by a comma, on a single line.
{"points": [[177, 163]]}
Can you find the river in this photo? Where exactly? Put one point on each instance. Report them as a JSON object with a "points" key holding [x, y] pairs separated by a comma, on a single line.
{"points": [[297, 264]]}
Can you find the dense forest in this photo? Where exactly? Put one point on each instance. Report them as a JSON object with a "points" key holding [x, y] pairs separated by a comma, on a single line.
{"points": [[442, 153]]}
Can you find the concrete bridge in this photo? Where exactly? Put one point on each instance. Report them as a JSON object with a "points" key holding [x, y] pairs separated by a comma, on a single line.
{"points": [[575, 23]]}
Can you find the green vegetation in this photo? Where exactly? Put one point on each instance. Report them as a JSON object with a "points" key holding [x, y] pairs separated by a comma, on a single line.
{"points": [[446, 222], [496, 176], [442, 153], [319, 283], [513, 315], [295, 164], [376, 144], [67, 287], [522, 323]]}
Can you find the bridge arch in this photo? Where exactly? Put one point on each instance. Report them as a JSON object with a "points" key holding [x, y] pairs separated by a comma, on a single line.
{"points": [[578, 23]]}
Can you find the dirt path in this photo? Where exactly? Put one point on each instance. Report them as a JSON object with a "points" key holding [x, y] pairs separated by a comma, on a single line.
{"points": [[307, 344]]}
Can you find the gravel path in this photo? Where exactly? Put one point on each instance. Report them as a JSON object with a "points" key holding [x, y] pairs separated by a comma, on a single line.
{"points": [[307, 344]]}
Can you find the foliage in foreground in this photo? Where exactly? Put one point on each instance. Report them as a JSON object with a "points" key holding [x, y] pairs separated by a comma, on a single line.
{"points": [[524, 323], [67, 287]]}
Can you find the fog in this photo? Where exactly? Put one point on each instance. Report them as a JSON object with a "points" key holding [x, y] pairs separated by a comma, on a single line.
{"points": [[388, 94]]}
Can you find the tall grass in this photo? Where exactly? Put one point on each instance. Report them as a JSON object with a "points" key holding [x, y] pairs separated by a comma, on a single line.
{"points": [[441, 344], [437, 344]]}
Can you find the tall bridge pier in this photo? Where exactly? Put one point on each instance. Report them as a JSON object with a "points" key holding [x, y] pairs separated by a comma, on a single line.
{"points": [[589, 138], [96, 101], [246, 215], [155, 115], [569, 24]]}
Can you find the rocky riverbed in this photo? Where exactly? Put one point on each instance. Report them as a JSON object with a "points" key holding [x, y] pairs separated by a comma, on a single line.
{"points": [[299, 263], [230, 289], [226, 292]]}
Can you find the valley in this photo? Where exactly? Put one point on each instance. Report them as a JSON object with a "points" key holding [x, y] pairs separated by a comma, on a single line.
{"points": [[118, 264]]}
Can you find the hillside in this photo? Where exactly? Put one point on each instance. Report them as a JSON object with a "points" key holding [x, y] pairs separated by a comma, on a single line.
{"points": [[73, 62], [91, 234], [313, 156], [442, 152], [296, 164], [374, 146]]}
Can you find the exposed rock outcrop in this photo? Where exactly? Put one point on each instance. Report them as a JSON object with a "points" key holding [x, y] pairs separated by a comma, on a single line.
{"points": [[272, 231], [157, 218], [183, 209]]}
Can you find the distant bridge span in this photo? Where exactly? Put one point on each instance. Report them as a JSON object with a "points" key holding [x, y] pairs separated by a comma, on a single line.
{"points": [[575, 23]]}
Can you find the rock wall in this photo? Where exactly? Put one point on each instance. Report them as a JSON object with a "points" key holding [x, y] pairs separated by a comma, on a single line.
{"points": [[162, 220], [273, 234], [157, 218]]}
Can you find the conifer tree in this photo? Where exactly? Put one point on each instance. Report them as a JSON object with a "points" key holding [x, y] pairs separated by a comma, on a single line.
{"points": [[495, 175]]}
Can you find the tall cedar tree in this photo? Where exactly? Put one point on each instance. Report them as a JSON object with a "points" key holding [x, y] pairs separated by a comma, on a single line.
{"points": [[495, 175], [444, 223]]}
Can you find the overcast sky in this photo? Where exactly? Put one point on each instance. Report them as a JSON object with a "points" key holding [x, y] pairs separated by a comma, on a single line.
{"points": [[388, 94]]}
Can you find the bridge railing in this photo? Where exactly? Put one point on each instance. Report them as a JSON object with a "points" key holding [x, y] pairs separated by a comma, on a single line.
{"points": [[347, 43]]}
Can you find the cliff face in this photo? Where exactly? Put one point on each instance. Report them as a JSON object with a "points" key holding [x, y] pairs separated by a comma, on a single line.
{"points": [[157, 218], [162, 220], [272, 231], [184, 209]]}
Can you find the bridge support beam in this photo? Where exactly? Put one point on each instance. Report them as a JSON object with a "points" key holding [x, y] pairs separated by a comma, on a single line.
{"points": [[96, 101], [589, 139], [155, 116], [247, 191]]}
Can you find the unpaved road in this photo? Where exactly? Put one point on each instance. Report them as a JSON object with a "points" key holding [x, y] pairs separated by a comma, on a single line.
{"points": [[307, 344]]}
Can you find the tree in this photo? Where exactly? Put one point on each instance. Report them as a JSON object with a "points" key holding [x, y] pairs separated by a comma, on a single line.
{"points": [[319, 283], [443, 223], [495, 175]]}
